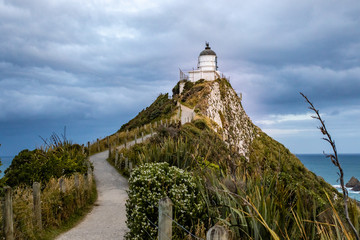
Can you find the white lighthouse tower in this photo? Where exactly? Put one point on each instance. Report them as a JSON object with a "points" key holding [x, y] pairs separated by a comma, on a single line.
{"points": [[207, 66]]}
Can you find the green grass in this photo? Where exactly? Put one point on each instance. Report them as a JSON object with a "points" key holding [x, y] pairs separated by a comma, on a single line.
{"points": [[268, 194]]}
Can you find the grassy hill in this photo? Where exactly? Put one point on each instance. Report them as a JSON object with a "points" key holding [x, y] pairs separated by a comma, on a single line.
{"points": [[251, 183]]}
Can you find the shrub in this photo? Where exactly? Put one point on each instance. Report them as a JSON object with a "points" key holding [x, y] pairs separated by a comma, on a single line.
{"points": [[38, 165], [153, 181]]}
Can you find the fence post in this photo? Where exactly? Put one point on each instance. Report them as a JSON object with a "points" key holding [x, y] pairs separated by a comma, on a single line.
{"points": [[165, 219], [126, 163], [88, 148], [130, 166], [142, 136], [90, 175], [109, 151], [37, 205], [121, 159], [76, 181], [8, 214], [116, 157], [217, 233], [135, 139], [125, 142], [98, 144], [151, 132], [62, 185]]}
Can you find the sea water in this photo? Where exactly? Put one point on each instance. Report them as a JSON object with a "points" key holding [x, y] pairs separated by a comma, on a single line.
{"points": [[6, 161], [323, 167]]}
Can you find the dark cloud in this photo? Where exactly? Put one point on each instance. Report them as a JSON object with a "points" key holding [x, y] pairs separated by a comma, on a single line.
{"points": [[102, 62]]}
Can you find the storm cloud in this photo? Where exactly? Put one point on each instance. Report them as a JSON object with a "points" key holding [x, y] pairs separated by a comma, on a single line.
{"points": [[92, 65]]}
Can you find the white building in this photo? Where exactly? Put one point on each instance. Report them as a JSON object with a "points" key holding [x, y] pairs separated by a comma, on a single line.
{"points": [[206, 68]]}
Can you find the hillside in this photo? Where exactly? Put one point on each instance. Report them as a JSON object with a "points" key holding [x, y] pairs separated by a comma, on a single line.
{"points": [[250, 182]]}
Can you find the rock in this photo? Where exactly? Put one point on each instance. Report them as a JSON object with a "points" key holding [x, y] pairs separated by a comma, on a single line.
{"points": [[352, 182], [356, 187]]}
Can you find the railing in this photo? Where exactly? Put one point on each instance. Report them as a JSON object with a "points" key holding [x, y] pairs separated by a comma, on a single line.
{"points": [[183, 76]]}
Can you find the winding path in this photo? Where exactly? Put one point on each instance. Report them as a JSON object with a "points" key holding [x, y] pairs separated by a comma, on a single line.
{"points": [[107, 219]]}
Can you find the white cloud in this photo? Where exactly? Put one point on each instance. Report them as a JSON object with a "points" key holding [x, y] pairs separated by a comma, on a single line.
{"points": [[281, 118]]}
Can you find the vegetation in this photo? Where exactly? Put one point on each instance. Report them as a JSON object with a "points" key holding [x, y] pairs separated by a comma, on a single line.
{"points": [[153, 181], [59, 207], [239, 193], [58, 158], [263, 195], [162, 107], [335, 160]]}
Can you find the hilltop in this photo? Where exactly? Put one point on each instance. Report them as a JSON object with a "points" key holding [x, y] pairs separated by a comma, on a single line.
{"points": [[250, 182]]}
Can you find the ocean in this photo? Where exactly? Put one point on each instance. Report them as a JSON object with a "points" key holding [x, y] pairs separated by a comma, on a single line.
{"points": [[323, 167], [6, 161], [316, 163]]}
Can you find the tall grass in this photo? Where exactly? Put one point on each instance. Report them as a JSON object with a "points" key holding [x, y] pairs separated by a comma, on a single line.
{"points": [[268, 199], [57, 207]]}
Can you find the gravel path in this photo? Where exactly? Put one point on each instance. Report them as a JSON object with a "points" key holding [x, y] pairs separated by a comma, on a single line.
{"points": [[107, 218]]}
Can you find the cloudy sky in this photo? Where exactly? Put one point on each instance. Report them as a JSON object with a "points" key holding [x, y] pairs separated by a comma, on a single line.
{"points": [[93, 65]]}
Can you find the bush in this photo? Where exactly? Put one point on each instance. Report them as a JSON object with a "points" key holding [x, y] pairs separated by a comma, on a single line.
{"points": [[153, 181], [59, 158]]}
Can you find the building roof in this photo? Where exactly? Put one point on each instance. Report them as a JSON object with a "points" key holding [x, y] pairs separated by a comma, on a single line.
{"points": [[207, 51]]}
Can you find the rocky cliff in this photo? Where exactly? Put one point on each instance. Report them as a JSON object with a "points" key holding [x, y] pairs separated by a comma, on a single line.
{"points": [[218, 101]]}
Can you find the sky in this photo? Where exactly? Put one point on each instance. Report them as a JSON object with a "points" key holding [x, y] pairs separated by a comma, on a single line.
{"points": [[91, 66]]}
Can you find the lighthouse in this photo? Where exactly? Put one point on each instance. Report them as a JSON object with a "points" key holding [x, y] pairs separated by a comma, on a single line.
{"points": [[207, 68]]}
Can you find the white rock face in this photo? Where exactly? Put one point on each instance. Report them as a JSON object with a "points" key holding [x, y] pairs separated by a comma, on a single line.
{"points": [[226, 110]]}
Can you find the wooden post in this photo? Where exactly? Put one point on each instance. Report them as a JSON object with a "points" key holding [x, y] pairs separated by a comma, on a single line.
{"points": [[37, 205], [135, 139], [121, 157], [130, 166], [98, 145], [126, 163], [109, 151], [86, 181], [90, 175], [108, 141], [62, 185], [76, 181], [151, 132], [142, 136], [116, 158], [8, 214], [88, 148], [125, 142], [165, 219], [217, 233], [161, 123]]}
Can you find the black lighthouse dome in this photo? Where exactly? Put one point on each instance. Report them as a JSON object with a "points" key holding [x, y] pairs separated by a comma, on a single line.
{"points": [[207, 51]]}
